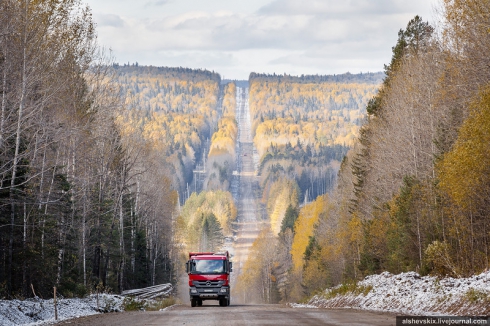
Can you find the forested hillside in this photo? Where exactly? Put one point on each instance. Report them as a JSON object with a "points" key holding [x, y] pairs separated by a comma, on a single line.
{"points": [[412, 194], [175, 111], [303, 127]]}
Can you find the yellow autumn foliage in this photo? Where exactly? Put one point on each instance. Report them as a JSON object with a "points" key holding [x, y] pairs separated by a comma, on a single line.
{"points": [[327, 113], [255, 282], [304, 229], [465, 171], [282, 193]]}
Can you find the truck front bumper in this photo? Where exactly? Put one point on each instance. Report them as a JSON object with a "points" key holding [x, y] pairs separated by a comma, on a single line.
{"points": [[209, 293]]}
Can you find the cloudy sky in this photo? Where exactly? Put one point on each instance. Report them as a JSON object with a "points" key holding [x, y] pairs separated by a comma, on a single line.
{"points": [[236, 37]]}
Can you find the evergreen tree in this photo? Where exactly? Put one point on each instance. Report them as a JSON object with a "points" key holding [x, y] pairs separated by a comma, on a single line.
{"points": [[211, 233], [289, 219]]}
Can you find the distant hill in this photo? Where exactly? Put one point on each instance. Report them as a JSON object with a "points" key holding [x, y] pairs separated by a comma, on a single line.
{"points": [[304, 125], [362, 78], [175, 110]]}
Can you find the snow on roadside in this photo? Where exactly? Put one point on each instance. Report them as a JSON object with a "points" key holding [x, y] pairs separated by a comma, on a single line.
{"points": [[41, 312], [408, 293], [302, 305], [36, 311]]}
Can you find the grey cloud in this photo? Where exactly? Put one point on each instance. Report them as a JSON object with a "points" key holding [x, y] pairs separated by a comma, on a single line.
{"points": [[239, 32], [157, 3], [288, 25], [335, 8], [194, 59], [224, 63], [109, 20]]}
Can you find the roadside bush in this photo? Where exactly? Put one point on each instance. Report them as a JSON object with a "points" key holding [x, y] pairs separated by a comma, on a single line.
{"points": [[132, 304]]}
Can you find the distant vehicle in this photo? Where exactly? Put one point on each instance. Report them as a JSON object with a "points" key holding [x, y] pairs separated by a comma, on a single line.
{"points": [[209, 277]]}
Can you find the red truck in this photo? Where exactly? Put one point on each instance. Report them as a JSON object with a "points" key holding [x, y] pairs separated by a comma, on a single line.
{"points": [[209, 277]]}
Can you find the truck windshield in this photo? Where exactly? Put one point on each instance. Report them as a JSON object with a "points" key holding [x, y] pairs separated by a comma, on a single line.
{"points": [[208, 266]]}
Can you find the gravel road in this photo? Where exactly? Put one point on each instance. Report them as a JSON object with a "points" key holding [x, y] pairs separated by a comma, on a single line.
{"points": [[212, 314]]}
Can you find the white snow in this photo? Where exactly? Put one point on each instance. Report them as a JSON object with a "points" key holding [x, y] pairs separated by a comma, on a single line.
{"points": [[41, 312], [409, 293], [302, 305], [36, 311]]}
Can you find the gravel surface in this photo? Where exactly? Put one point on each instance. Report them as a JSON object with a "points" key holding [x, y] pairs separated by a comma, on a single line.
{"points": [[236, 315]]}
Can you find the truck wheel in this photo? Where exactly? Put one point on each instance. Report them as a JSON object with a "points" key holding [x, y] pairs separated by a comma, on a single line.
{"points": [[222, 302], [228, 301], [193, 302], [199, 303]]}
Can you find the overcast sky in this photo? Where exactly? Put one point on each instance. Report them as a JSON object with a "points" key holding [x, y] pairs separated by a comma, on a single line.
{"points": [[236, 37]]}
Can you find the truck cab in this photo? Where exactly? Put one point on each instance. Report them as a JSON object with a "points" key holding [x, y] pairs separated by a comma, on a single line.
{"points": [[209, 277]]}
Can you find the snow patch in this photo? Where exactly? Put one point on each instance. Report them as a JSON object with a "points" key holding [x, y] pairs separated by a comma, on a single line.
{"points": [[41, 312], [409, 293], [300, 305], [36, 311]]}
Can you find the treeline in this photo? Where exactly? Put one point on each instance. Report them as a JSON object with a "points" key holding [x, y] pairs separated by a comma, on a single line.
{"points": [[412, 194], [169, 73], [82, 207], [176, 111], [222, 152], [362, 78]]}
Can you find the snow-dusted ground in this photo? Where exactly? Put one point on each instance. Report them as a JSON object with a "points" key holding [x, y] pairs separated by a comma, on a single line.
{"points": [[36, 311], [41, 312], [408, 293]]}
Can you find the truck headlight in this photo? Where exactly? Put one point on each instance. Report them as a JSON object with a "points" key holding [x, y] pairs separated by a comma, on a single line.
{"points": [[223, 290], [193, 291]]}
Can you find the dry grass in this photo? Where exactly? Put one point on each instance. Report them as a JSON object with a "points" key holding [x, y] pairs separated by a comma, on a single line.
{"points": [[132, 304], [348, 288]]}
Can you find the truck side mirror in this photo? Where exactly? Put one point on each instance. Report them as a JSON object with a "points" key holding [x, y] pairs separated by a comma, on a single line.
{"points": [[231, 266], [187, 267]]}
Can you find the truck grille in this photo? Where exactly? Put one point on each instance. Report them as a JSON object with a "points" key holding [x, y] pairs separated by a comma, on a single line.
{"points": [[208, 283]]}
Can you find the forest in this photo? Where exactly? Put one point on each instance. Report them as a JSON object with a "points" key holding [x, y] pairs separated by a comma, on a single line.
{"points": [[412, 192], [109, 171]]}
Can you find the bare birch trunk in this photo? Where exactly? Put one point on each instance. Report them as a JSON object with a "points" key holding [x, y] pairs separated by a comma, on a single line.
{"points": [[4, 100], [16, 155]]}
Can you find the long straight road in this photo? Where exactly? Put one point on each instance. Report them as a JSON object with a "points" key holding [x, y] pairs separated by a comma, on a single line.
{"points": [[238, 315], [248, 225]]}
